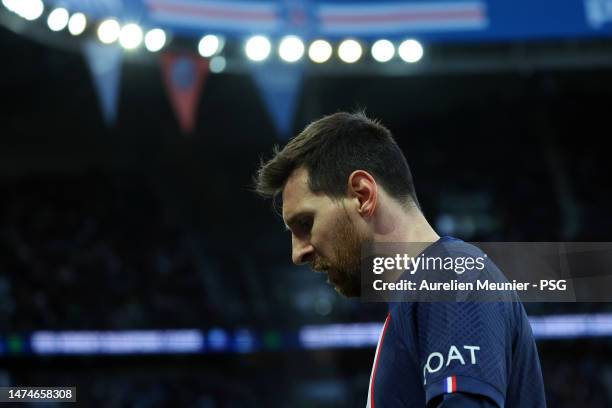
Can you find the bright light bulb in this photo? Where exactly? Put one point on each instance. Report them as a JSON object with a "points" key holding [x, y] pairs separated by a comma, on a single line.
{"points": [[77, 23], [383, 50], [108, 31], [209, 45], [155, 39], [58, 19], [410, 51], [131, 36], [291, 48], [11, 5], [258, 48], [320, 51], [31, 9], [349, 51]]}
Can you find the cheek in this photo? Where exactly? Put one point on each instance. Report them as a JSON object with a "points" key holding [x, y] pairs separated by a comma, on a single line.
{"points": [[324, 236], [320, 239]]}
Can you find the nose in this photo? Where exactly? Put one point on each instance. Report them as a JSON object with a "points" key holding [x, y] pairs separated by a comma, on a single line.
{"points": [[301, 251]]}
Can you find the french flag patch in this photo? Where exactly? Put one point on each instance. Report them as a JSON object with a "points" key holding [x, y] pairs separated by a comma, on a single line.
{"points": [[451, 384]]}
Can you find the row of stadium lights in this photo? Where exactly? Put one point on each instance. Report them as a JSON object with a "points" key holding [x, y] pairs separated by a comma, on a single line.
{"points": [[292, 49], [257, 48]]}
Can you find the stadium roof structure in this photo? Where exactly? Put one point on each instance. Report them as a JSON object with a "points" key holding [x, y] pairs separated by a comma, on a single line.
{"points": [[458, 35]]}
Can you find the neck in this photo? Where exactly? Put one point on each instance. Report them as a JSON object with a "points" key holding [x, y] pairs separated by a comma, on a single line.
{"points": [[407, 228], [396, 223]]}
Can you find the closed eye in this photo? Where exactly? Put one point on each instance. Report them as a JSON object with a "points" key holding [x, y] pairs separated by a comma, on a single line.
{"points": [[305, 224], [300, 225]]}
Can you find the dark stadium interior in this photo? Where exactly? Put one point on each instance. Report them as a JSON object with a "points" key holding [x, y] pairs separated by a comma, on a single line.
{"points": [[140, 227]]}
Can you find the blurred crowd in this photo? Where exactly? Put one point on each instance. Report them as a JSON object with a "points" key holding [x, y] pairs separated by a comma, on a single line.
{"points": [[577, 373], [103, 252], [84, 253]]}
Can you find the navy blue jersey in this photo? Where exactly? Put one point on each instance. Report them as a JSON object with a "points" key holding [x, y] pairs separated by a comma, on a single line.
{"points": [[428, 349]]}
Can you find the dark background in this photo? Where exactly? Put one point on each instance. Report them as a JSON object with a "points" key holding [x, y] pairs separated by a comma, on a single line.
{"points": [[140, 227]]}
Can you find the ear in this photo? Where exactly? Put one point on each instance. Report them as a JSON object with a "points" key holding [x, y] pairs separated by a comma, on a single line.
{"points": [[362, 186]]}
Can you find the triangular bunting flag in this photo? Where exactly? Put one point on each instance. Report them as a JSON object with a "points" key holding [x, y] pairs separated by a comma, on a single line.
{"points": [[184, 76], [279, 84], [105, 65]]}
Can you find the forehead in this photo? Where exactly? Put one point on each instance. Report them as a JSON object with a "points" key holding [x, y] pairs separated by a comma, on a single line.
{"points": [[297, 195]]}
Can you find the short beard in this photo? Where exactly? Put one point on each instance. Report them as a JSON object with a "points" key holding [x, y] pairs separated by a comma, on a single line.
{"points": [[346, 269]]}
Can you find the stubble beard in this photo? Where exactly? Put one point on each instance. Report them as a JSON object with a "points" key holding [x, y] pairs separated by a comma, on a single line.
{"points": [[344, 272]]}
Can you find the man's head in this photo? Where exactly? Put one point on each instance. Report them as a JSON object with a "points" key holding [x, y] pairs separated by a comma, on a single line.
{"points": [[331, 177]]}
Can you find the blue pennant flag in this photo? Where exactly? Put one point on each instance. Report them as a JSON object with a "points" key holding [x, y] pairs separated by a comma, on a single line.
{"points": [[105, 65], [279, 85]]}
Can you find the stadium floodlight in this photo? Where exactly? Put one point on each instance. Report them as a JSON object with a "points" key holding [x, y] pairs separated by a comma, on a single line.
{"points": [[10, 4], [291, 48], [17, 6], [13, 5], [209, 45], [58, 19], [77, 23], [217, 64], [410, 51], [155, 39], [130, 36], [349, 51], [108, 31], [258, 48], [30, 9], [320, 51], [383, 50]]}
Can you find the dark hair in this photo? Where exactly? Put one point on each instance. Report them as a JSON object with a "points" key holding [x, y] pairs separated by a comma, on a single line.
{"points": [[331, 148]]}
